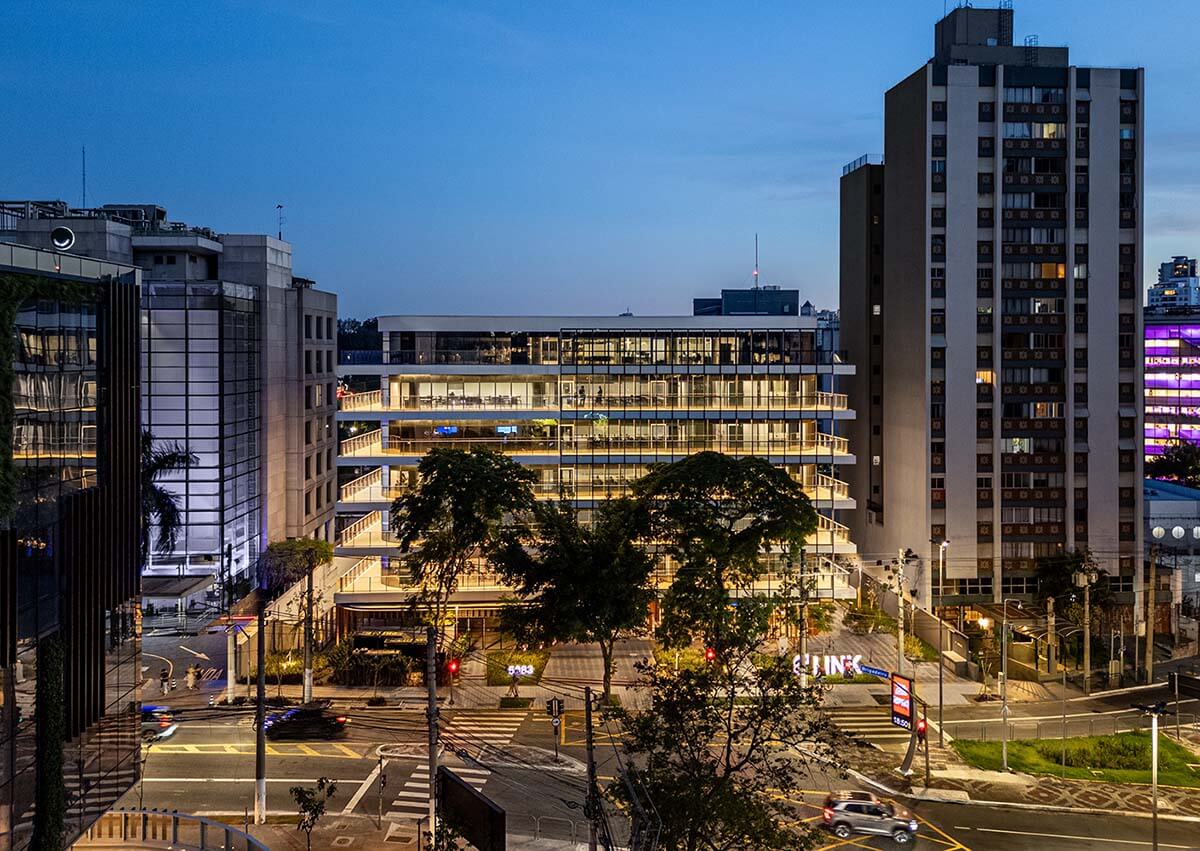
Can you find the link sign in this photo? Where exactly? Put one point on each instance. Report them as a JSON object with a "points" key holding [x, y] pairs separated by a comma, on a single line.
{"points": [[844, 665]]}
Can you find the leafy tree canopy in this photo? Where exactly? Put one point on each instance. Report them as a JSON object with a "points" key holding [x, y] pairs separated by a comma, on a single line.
{"points": [[287, 562], [454, 517], [578, 582]]}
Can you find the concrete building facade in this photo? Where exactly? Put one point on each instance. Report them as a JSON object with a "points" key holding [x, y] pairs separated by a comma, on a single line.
{"points": [[1004, 324], [1177, 287]]}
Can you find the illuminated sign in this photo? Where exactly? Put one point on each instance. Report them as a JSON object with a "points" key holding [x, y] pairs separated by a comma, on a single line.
{"points": [[520, 670], [833, 666], [902, 702]]}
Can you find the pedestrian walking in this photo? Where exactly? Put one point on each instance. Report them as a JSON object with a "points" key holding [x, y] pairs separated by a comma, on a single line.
{"points": [[192, 673], [163, 678]]}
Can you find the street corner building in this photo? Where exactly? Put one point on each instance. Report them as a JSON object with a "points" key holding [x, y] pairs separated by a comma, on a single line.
{"points": [[990, 291], [588, 403], [69, 524]]}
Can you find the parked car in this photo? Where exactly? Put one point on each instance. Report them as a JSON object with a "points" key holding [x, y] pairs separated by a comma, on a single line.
{"points": [[848, 813], [157, 723], [311, 721]]}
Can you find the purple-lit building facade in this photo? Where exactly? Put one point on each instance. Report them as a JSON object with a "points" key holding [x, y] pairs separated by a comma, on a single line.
{"points": [[1172, 380]]}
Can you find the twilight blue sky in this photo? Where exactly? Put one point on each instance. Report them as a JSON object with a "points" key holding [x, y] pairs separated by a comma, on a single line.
{"points": [[525, 156]]}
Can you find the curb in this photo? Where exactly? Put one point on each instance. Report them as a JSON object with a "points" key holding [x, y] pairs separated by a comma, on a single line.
{"points": [[1016, 805]]}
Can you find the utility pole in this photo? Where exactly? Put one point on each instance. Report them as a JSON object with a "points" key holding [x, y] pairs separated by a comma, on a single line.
{"points": [[260, 709], [432, 711], [1087, 636], [803, 620], [1004, 688], [1051, 638], [1150, 613], [900, 611], [941, 642], [592, 797], [307, 697], [230, 661]]}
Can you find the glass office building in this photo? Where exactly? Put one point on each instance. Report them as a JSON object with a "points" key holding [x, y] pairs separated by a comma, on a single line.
{"points": [[201, 379], [69, 525], [1172, 380], [589, 404]]}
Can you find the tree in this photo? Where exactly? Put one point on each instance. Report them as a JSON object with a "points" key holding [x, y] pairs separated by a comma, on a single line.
{"points": [[1056, 578], [724, 734], [1180, 462], [311, 803], [286, 562], [449, 523], [576, 582], [159, 459]]}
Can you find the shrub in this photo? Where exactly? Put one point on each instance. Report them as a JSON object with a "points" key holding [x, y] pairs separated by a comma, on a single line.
{"points": [[515, 702]]}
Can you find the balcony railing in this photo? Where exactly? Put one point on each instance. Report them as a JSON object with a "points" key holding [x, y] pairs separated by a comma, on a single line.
{"points": [[817, 401], [154, 829], [818, 444]]}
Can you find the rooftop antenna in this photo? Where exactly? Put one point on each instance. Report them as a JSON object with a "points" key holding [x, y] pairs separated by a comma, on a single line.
{"points": [[280, 218], [756, 261], [83, 175]]}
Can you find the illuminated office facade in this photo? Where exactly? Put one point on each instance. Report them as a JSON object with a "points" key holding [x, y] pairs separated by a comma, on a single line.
{"points": [[588, 403], [69, 528], [1172, 380]]}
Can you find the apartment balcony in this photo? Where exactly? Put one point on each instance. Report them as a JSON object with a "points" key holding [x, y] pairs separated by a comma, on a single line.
{"points": [[1032, 531], [1036, 252], [1031, 461], [1040, 497], [1024, 426], [1048, 215], [1032, 392], [1035, 181], [368, 450], [614, 406], [1034, 111], [1030, 147], [1034, 357], [1032, 321]]}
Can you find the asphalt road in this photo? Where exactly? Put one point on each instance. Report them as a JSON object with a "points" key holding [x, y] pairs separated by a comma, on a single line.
{"points": [[207, 767]]}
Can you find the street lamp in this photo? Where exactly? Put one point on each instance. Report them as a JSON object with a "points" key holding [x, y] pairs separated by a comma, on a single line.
{"points": [[1154, 711], [1004, 680], [896, 581]]}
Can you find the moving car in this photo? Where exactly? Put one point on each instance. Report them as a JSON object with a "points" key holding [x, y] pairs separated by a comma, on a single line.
{"points": [[311, 721], [157, 723], [847, 813]]}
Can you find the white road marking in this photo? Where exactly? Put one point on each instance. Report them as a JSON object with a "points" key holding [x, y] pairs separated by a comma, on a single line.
{"points": [[1071, 836], [362, 790]]}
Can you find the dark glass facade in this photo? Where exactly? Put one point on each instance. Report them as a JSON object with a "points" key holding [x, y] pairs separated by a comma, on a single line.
{"points": [[69, 646]]}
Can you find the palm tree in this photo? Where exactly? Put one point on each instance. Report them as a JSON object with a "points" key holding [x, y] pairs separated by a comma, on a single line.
{"points": [[157, 501]]}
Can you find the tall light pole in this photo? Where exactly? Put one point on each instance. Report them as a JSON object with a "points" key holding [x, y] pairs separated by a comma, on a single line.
{"points": [[941, 640], [1154, 711], [903, 557], [1086, 578], [307, 689], [1004, 680]]}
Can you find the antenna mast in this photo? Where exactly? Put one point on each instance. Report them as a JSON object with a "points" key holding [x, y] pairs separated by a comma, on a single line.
{"points": [[756, 261], [279, 217], [83, 175]]}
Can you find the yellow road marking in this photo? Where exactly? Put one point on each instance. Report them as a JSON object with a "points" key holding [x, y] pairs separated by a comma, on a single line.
{"points": [[947, 840], [326, 750], [347, 751], [305, 749]]}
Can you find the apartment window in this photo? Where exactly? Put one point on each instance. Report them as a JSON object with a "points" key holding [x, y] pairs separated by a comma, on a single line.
{"points": [[308, 397], [1128, 133], [1035, 94], [1081, 271], [329, 458], [308, 432], [308, 327], [320, 498], [1017, 200], [983, 482], [975, 586], [329, 393], [938, 166], [307, 467], [328, 327], [1121, 583], [937, 482], [307, 503], [308, 363], [320, 463], [329, 491], [171, 258], [1018, 585], [158, 259]]}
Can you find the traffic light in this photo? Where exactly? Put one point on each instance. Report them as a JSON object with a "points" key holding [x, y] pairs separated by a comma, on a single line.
{"points": [[921, 730], [710, 654], [554, 707], [452, 666]]}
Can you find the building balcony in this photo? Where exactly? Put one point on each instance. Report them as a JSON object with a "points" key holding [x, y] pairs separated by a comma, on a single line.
{"points": [[1018, 461], [370, 404], [1035, 357], [1035, 181], [366, 449], [1032, 321], [1033, 496], [1051, 215], [1040, 147], [1038, 111], [1036, 252], [1031, 531], [1032, 392], [1033, 286], [1017, 427]]}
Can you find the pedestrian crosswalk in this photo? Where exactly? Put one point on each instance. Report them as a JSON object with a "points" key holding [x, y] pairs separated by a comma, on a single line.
{"points": [[872, 723], [472, 734]]}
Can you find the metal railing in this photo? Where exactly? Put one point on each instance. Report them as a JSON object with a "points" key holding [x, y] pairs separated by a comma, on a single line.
{"points": [[819, 400], [367, 481], [359, 401], [361, 526], [177, 831], [796, 444], [836, 487], [360, 567], [1052, 728]]}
